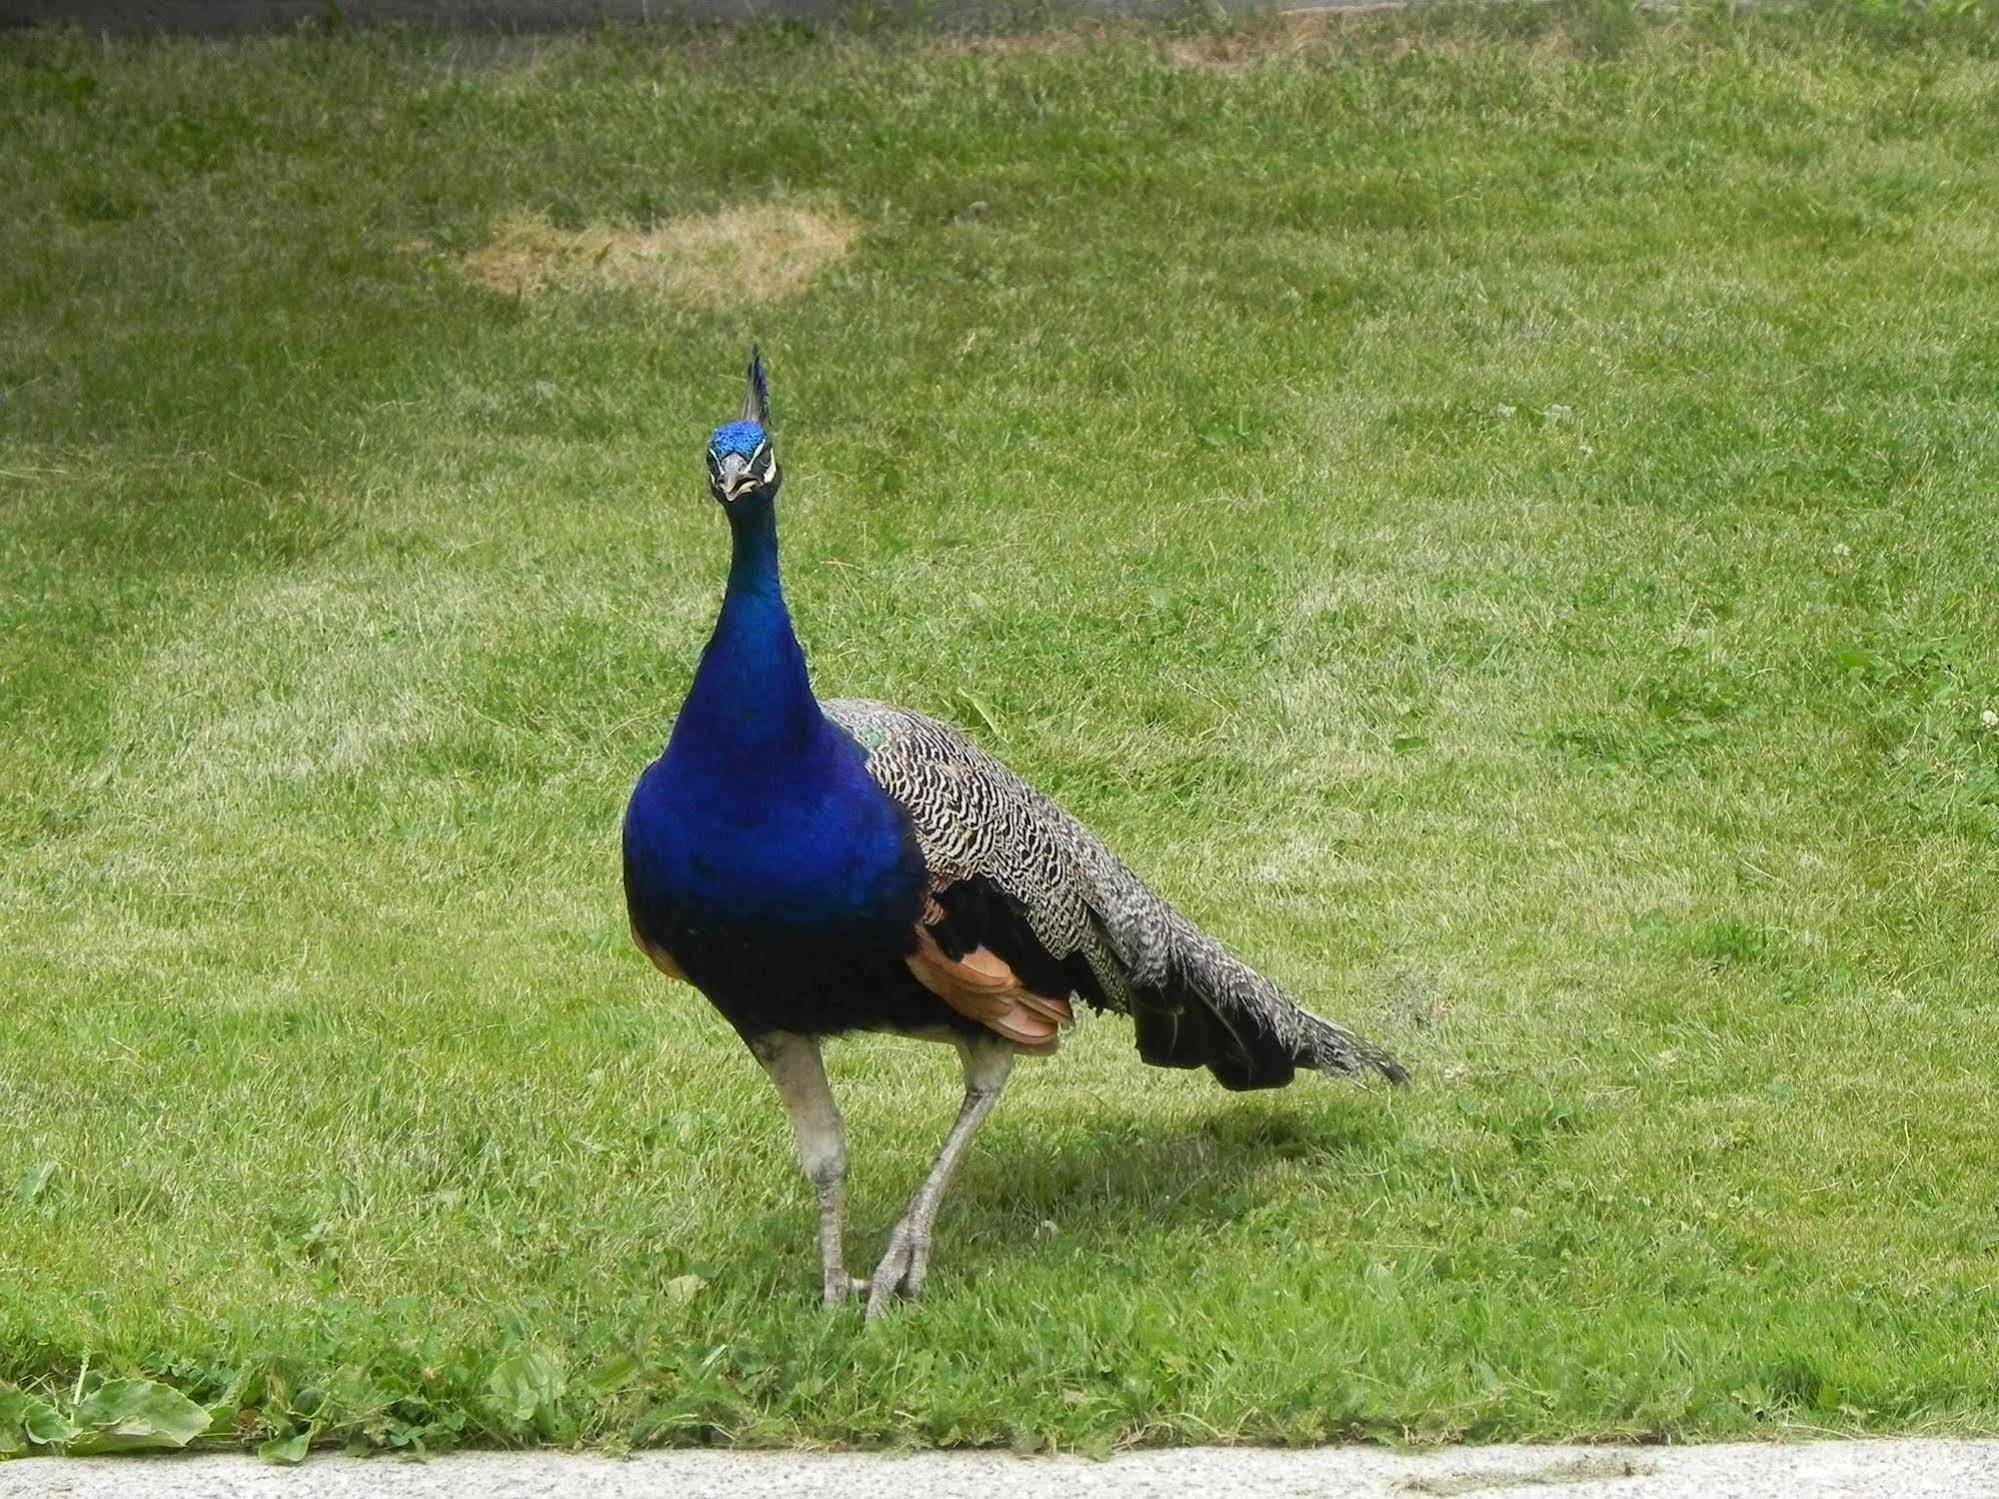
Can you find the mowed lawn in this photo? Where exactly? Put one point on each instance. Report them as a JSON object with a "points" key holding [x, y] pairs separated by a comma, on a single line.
{"points": [[1494, 514]]}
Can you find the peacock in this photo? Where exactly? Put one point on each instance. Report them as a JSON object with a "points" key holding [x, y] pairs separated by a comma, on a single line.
{"points": [[820, 868]]}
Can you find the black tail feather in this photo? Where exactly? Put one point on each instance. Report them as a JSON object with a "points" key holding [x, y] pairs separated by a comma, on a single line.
{"points": [[1179, 1026]]}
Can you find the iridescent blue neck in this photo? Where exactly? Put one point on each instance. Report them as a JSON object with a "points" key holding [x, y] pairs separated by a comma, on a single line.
{"points": [[751, 699]]}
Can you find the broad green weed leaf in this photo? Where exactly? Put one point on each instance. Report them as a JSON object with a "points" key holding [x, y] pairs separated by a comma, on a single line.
{"points": [[125, 1415], [46, 1426], [684, 1288], [526, 1383], [613, 1374], [28, 1420], [287, 1452]]}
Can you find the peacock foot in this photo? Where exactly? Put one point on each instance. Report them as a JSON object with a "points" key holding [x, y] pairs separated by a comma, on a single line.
{"points": [[901, 1271], [842, 1288]]}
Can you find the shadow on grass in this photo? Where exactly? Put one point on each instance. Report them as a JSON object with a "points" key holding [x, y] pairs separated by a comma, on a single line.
{"points": [[1112, 1178], [1128, 1169]]}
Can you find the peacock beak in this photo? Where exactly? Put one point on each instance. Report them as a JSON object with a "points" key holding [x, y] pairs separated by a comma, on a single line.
{"points": [[734, 475]]}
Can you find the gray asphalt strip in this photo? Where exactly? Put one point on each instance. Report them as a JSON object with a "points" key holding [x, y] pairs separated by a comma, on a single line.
{"points": [[1910, 1469]]}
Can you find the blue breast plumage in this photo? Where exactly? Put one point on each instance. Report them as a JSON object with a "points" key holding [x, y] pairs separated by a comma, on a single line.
{"points": [[787, 891], [813, 844]]}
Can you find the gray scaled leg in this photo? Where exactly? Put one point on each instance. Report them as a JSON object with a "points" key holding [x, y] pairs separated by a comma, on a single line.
{"points": [[987, 1063], [794, 1065]]}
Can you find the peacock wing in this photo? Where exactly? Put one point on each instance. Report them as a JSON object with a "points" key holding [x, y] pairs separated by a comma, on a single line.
{"points": [[1014, 878], [1007, 935]]}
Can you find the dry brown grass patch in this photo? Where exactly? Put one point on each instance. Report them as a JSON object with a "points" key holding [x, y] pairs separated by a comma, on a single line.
{"points": [[737, 255], [1289, 34]]}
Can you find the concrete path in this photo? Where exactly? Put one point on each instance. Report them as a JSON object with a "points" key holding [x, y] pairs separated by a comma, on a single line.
{"points": [[1851, 1470]]}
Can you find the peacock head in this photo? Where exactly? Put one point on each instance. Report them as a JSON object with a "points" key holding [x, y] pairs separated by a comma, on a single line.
{"points": [[741, 465]]}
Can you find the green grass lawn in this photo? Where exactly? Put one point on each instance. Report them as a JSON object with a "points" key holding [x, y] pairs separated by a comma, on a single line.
{"points": [[1495, 516]]}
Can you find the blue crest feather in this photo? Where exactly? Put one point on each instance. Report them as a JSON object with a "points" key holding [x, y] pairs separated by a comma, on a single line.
{"points": [[743, 438]]}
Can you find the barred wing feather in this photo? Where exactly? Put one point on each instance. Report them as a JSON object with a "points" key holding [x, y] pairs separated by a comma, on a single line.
{"points": [[1194, 1003]]}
